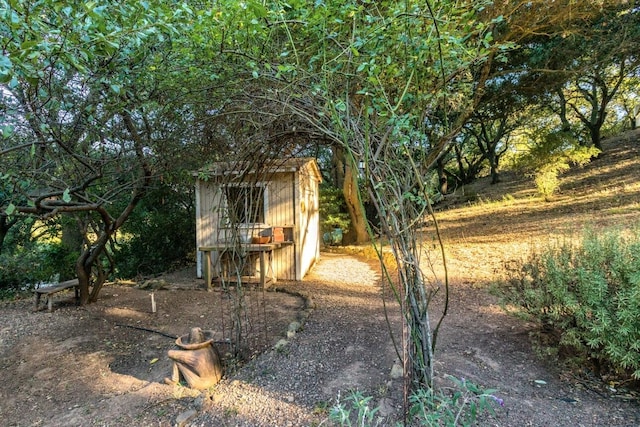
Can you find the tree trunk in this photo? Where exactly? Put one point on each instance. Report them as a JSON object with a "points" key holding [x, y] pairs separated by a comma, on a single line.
{"points": [[87, 259], [84, 276], [358, 231], [594, 133], [493, 164], [337, 160], [4, 229], [442, 177]]}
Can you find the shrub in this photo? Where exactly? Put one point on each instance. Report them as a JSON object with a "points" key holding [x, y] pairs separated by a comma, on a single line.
{"points": [[589, 294], [356, 411], [460, 406], [550, 155], [159, 235], [37, 262], [333, 209]]}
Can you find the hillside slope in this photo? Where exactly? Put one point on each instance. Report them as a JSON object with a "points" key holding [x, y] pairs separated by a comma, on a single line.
{"points": [[483, 224]]}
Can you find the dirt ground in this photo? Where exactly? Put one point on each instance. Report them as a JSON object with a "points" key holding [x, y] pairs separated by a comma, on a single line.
{"points": [[314, 341]]}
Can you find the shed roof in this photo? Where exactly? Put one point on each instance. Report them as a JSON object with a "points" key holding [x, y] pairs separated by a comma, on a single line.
{"points": [[270, 166]]}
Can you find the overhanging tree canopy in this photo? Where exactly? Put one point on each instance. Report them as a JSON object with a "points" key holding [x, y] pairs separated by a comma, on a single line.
{"points": [[84, 116]]}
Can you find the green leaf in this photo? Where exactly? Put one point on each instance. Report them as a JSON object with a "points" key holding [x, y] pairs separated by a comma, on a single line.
{"points": [[5, 64], [258, 10], [341, 106], [66, 197], [7, 131], [10, 209]]}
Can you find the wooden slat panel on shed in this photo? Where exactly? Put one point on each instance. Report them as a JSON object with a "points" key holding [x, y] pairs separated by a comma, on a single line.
{"points": [[280, 214], [208, 219], [309, 220]]}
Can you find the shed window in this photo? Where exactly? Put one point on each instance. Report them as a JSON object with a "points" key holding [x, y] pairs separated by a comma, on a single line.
{"points": [[245, 204]]}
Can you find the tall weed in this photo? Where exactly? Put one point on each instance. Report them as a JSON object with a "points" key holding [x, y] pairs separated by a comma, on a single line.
{"points": [[458, 406]]}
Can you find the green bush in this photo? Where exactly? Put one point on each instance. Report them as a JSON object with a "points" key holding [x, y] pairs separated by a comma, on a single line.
{"points": [[31, 254], [333, 209], [550, 155], [458, 406], [589, 294], [160, 235], [25, 266]]}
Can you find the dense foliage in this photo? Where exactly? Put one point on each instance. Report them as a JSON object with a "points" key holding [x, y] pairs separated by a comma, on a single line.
{"points": [[589, 294], [333, 211], [32, 263], [159, 236]]}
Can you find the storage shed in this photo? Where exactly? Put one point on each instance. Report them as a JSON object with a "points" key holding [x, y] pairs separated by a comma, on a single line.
{"points": [[245, 211]]}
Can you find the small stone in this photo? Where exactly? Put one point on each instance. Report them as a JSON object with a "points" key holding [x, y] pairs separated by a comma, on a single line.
{"points": [[280, 345], [397, 371], [386, 407], [199, 402], [291, 334], [185, 417], [294, 326]]}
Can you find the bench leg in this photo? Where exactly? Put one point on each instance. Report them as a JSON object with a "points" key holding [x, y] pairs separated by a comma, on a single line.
{"points": [[49, 303], [36, 301]]}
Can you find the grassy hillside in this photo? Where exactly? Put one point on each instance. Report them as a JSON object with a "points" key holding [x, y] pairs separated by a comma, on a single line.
{"points": [[483, 224]]}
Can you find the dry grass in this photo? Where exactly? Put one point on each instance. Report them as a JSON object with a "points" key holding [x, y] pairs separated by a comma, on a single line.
{"points": [[484, 225]]}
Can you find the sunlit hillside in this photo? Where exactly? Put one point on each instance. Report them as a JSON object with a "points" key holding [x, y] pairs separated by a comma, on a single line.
{"points": [[483, 224]]}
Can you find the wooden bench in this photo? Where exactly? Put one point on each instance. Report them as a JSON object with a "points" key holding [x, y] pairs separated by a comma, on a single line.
{"points": [[48, 291]]}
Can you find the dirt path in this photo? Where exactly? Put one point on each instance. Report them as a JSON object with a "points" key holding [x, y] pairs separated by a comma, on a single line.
{"points": [[343, 345], [76, 367], [481, 343]]}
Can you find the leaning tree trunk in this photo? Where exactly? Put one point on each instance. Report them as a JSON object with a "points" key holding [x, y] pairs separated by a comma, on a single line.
{"points": [[346, 177], [354, 204]]}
